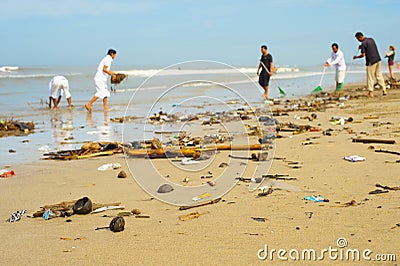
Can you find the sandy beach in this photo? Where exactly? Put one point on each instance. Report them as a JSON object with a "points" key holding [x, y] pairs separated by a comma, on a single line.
{"points": [[225, 233]]}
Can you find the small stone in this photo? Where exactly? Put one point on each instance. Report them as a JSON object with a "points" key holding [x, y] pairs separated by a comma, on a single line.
{"points": [[122, 174], [12, 151], [297, 228], [136, 211], [165, 188]]}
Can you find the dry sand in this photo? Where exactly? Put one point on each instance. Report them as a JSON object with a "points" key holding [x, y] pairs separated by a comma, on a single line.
{"points": [[227, 234]]}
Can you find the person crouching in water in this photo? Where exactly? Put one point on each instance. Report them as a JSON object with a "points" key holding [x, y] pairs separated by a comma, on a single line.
{"points": [[57, 85]]}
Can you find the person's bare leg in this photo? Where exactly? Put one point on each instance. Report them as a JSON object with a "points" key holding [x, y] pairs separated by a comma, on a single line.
{"points": [[55, 104], [50, 100], [265, 93], [58, 100], [88, 106], [69, 103], [391, 72], [105, 108]]}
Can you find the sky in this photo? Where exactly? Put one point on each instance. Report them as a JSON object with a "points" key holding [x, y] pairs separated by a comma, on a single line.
{"points": [[160, 33]]}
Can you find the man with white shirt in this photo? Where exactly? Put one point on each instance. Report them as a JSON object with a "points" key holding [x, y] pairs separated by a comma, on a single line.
{"points": [[337, 60], [100, 80]]}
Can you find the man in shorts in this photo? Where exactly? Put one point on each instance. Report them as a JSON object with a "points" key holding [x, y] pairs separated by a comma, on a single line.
{"points": [[100, 80], [57, 86], [266, 66], [337, 60]]}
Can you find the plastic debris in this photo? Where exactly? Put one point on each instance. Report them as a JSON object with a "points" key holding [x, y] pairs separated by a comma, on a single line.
{"points": [[316, 198], [4, 173], [354, 158], [109, 166], [16, 216]]}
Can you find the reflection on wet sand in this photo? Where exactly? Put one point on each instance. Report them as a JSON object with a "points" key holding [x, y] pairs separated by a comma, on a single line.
{"points": [[102, 133]]}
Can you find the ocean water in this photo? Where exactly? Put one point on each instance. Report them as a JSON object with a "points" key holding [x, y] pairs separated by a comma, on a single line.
{"points": [[183, 89]]}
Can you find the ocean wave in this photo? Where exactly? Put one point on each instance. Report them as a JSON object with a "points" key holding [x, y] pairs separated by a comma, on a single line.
{"points": [[32, 76], [8, 68]]}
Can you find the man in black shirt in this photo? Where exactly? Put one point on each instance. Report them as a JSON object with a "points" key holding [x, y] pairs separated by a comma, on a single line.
{"points": [[369, 50], [266, 67]]}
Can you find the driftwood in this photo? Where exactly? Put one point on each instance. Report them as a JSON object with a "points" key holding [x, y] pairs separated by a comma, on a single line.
{"points": [[88, 150], [387, 187], [382, 141], [387, 151], [181, 208], [66, 206], [188, 152]]}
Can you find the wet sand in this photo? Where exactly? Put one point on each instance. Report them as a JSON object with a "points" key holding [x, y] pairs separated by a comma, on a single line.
{"points": [[225, 233]]}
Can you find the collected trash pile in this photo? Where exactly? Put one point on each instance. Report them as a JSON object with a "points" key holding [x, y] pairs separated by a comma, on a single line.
{"points": [[15, 128], [88, 150]]}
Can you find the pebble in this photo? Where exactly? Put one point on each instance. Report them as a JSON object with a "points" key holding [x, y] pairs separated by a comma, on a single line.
{"points": [[122, 174], [165, 188]]}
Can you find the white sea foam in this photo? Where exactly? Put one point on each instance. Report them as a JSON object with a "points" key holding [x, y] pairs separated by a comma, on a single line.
{"points": [[8, 68]]}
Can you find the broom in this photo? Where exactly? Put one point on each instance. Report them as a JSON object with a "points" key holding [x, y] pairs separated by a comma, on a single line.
{"points": [[281, 91], [319, 89]]}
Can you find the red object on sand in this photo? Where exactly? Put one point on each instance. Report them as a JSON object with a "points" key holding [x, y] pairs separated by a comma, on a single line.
{"points": [[7, 174]]}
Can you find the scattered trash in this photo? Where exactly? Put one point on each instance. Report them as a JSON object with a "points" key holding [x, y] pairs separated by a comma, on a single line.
{"points": [[309, 214], [211, 183], [48, 215], [378, 191], [222, 165], [4, 173], [142, 216], [165, 188], [65, 208], [181, 208], [15, 128], [259, 219], [109, 166], [136, 211], [397, 225], [122, 174], [202, 196], [316, 198], [117, 224], [191, 216], [387, 187], [348, 204], [354, 158], [16, 216], [382, 141], [387, 151], [188, 161], [106, 208], [44, 148], [265, 192], [82, 206]]}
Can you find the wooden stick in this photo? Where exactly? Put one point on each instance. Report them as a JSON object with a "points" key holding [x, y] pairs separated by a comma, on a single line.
{"points": [[181, 208], [382, 141], [387, 151]]}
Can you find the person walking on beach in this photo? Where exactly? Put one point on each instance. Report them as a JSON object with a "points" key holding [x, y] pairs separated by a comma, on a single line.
{"points": [[337, 60], [57, 85], [369, 50], [100, 80], [390, 57], [266, 70]]}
